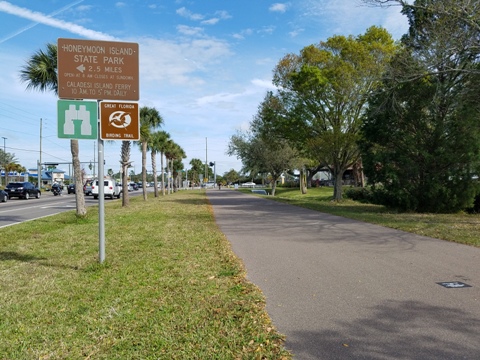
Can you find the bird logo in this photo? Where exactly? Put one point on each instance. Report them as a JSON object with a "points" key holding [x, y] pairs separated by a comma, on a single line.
{"points": [[120, 119]]}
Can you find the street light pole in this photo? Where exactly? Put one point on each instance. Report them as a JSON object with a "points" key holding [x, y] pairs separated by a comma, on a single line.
{"points": [[5, 159], [39, 165], [206, 166]]}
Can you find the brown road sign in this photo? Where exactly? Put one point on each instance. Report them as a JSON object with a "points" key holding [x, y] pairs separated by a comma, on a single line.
{"points": [[100, 70], [119, 121]]}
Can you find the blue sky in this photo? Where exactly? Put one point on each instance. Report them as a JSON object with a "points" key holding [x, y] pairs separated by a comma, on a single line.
{"points": [[204, 64]]}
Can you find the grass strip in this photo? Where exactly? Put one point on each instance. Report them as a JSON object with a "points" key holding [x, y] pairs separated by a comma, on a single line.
{"points": [[461, 227], [170, 287]]}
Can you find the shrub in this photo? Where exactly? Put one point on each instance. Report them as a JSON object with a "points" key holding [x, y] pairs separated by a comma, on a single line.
{"points": [[475, 209], [359, 194]]}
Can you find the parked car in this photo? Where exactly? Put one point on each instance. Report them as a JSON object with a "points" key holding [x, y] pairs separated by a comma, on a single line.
{"points": [[87, 188], [22, 190], [71, 189], [3, 196]]}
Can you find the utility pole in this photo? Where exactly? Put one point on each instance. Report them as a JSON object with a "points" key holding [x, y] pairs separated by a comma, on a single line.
{"points": [[39, 166], [4, 159], [206, 163]]}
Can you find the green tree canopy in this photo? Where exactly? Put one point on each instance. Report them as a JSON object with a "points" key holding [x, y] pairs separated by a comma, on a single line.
{"points": [[196, 169], [269, 156], [421, 136], [325, 90], [231, 176]]}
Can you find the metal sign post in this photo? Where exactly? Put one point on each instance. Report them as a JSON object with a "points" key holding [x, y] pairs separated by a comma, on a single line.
{"points": [[101, 202]]}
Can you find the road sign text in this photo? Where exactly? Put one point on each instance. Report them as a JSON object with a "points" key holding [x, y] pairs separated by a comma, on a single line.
{"points": [[101, 70]]}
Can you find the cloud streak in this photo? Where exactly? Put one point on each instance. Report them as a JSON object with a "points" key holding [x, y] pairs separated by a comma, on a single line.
{"points": [[278, 7], [40, 18]]}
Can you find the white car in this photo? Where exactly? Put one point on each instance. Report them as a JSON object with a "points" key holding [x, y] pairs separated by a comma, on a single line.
{"points": [[248, 184], [110, 189]]}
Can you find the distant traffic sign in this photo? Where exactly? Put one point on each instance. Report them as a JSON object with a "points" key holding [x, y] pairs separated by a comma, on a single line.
{"points": [[119, 121], [101, 70], [77, 119]]}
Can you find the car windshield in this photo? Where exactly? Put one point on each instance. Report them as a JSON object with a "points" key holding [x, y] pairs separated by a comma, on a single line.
{"points": [[14, 185]]}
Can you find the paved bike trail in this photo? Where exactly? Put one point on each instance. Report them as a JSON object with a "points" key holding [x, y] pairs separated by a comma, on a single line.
{"points": [[343, 289]]}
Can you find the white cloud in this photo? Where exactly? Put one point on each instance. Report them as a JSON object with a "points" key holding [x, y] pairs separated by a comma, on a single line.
{"points": [[225, 100], [189, 30], [175, 62], [264, 84], [219, 15], [183, 11], [296, 32], [238, 36], [40, 18], [351, 17], [83, 8], [222, 14], [242, 34], [278, 7], [267, 30], [212, 21]]}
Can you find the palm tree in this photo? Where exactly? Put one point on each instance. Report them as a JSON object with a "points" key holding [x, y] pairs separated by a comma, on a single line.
{"points": [[163, 148], [174, 153], [169, 151], [40, 73], [177, 164], [197, 167], [155, 145], [150, 119], [12, 167]]}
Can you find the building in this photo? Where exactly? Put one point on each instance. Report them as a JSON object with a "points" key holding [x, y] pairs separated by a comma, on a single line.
{"points": [[48, 177]]}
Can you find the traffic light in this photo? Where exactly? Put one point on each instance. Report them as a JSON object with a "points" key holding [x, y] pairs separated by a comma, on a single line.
{"points": [[211, 164]]}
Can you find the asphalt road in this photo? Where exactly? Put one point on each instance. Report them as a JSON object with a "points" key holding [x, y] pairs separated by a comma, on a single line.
{"points": [[343, 289], [16, 210]]}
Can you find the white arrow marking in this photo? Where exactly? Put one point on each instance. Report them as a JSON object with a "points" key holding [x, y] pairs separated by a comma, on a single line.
{"points": [[81, 68]]}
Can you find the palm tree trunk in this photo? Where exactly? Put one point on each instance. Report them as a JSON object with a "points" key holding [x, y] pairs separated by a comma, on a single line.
{"points": [[125, 156], [144, 170], [163, 173], [77, 172], [154, 169], [169, 161]]}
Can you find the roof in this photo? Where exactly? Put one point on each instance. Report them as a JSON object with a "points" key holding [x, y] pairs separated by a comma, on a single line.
{"points": [[47, 175]]}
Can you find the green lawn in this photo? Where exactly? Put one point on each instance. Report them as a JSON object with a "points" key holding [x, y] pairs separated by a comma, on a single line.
{"points": [[170, 287], [462, 228]]}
